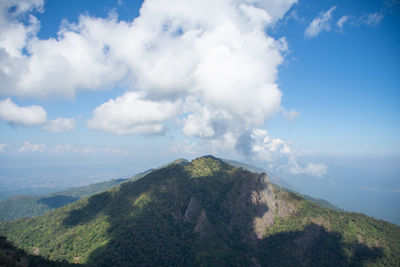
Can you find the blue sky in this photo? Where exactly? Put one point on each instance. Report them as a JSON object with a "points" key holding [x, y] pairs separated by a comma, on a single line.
{"points": [[100, 83]]}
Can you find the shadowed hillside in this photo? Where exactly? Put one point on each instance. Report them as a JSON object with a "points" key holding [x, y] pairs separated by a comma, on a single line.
{"points": [[10, 256], [206, 213], [30, 206]]}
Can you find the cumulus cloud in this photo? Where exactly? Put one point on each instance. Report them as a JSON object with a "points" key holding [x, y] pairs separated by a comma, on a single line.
{"points": [[30, 66], [33, 115], [26, 116], [174, 50], [313, 169], [14, 33], [280, 156], [28, 147], [59, 125], [131, 113], [320, 23], [4, 147], [222, 66], [99, 53], [208, 66], [277, 154]]}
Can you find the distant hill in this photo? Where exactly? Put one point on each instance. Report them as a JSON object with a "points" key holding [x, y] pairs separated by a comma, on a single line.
{"points": [[205, 213], [29, 206], [24, 206]]}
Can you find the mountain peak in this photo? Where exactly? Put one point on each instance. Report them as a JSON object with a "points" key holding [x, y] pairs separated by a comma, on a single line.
{"points": [[205, 212], [206, 166]]}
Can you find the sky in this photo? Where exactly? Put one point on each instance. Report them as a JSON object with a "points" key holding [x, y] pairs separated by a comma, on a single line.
{"points": [[123, 86]]}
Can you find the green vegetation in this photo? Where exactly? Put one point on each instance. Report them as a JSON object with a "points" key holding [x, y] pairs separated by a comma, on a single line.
{"points": [[11, 256], [30, 206], [205, 213], [22, 206]]}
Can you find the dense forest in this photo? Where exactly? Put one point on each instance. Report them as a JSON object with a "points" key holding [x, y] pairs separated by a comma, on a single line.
{"points": [[205, 213], [30, 206]]}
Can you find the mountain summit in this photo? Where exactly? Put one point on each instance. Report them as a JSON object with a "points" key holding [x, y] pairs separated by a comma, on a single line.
{"points": [[205, 213]]}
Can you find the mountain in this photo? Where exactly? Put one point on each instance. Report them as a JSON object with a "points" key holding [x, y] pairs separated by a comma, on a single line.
{"points": [[23, 206], [205, 213], [281, 183], [16, 207]]}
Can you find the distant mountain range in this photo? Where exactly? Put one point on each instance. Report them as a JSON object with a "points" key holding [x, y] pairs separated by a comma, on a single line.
{"points": [[204, 213]]}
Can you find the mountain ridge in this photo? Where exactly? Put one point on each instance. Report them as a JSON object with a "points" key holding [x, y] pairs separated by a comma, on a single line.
{"points": [[24, 206], [206, 212]]}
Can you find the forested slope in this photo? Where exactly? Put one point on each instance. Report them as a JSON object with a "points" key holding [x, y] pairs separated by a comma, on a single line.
{"points": [[205, 212]]}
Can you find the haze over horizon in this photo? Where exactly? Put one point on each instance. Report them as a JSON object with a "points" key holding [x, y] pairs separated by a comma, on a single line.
{"points": [[308, 90]]}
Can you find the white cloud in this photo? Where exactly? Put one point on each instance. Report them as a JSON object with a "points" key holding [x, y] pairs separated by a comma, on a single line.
{"points": [[266, 147], [59, 125], [15, 33], [4, 147], [208, 65], [131, 113], [167, 41], [68, 148], [373, 19], [198, 124], [174, 51], [342, 21], [177, 52], [76, 59], [280, 156], [275, 8], [33, 115], [26, 116], [320, 23], [63, 148], [257, 145], [316, 169], [185, 147], [290, 115], [28, 147], [313, 169]]}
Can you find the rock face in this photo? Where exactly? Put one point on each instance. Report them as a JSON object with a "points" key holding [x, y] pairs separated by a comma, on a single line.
{"points": [[192, 211], [285, 209], [206, 213], [250, 204], [253, 206], [263, 198]]}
